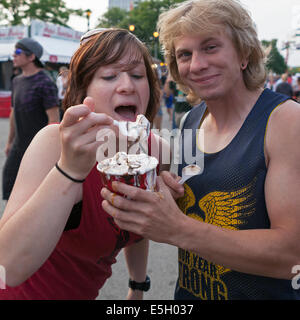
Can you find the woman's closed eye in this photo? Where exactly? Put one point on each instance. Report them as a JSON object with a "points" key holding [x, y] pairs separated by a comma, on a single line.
{"points": [[108, 78], [137, 76]]}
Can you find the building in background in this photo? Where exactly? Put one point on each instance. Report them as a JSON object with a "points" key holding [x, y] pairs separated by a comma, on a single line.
{"points": [[122, 4]]}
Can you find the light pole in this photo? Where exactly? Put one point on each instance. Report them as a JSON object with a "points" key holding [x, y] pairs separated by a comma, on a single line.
{"points": [[155, 35], [88, 13]]}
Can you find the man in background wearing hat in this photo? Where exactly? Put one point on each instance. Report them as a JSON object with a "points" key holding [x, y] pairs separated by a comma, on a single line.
{"points": [[34, 105]]}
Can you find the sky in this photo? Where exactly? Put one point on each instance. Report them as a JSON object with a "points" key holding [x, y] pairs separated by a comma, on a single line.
{"points": [[275, 19]]}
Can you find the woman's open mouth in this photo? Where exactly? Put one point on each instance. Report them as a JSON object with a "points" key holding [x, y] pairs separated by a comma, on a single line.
{"points": [[126, 113]]}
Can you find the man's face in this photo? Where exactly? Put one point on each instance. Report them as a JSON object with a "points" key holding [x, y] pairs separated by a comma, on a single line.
{"points": [[22, 58], [209, 64]]}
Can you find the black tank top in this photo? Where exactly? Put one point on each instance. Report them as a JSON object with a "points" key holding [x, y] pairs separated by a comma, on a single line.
{"points": [[230, 194]]}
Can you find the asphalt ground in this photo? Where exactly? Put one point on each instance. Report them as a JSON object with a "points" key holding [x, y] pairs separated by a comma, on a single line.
{"points": [[162, 261]]}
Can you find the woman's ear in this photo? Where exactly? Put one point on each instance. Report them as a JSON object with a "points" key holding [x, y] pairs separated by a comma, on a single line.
{"points": [[89, 102]]}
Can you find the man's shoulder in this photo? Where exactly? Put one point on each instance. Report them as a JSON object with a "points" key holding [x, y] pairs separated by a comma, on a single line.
{"points": [[283, 131], [43, 75], [43, 80]]}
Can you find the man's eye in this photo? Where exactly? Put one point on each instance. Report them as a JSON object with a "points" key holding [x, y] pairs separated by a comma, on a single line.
{"points": [[183, 54], [210, 48]]}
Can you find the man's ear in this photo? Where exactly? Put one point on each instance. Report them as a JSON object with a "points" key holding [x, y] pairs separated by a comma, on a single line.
{"points": [[244, 63], [31, 57]]}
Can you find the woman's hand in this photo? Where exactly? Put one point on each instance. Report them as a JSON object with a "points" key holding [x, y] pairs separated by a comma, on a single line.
{"points": [[78, 131]]}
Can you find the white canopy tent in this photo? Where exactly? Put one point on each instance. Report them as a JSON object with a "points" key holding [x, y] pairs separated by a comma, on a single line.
{"points": [[57, 50], [6, 51], [59, 43]]}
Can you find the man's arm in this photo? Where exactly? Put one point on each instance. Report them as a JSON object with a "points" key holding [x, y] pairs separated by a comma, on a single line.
{"points": [[11, 134], [53, 115]]}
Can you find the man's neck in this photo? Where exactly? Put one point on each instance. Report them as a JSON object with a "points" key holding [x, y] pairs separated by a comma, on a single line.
{"points": [[227, 112], [30, 70]]}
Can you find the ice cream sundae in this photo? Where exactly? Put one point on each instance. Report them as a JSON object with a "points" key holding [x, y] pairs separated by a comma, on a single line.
{"points": [[135, 169]]}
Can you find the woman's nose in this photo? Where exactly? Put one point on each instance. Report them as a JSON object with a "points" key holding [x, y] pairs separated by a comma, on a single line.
{"points": [[125, 83]]}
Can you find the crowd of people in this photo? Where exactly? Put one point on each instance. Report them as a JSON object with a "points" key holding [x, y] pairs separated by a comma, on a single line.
{"points": [[286, 84], [236, 224]]}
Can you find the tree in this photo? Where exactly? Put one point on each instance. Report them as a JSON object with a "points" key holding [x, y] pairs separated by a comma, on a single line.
{"points": [[143, 16], [112, 18], [22, 11], [275, 61]]}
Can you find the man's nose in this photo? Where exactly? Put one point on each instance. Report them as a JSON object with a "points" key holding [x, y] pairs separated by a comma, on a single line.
{"points": [[198, 62], [125, 83]]}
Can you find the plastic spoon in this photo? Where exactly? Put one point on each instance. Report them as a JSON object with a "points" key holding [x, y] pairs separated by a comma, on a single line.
{"points": [[188, 172]]}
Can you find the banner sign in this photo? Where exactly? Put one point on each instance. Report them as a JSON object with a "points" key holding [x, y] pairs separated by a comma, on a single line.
{"points": [[13, 34], [50, 30]]}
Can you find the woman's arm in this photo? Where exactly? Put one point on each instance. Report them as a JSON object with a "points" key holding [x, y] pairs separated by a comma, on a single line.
{"points": [[42, 198], [37, 210], [136, 257]]}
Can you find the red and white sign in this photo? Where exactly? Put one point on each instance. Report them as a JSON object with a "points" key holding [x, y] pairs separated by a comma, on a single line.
{"points": [[50, 30], [13, 34]]}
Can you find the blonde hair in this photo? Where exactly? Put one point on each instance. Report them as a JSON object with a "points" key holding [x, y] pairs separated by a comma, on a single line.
{"points": [[206, 16]]}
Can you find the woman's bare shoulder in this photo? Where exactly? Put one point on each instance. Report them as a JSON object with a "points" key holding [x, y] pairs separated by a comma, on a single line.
{"points": [[39, 158]]}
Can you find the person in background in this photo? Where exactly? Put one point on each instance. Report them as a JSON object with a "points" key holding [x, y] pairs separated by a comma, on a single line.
{"points": [[56, 241], [297, 90], [181, 105], [61, 83], [34, 105], [237, 223], [50, 71], [284, 86]]}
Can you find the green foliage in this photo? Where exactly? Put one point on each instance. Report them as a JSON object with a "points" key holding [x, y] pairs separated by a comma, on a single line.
{"points": [[21, 11], [275, 61], [112, 18], [144, 17]]}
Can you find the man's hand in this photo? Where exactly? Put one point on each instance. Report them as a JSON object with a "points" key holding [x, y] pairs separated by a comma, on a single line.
{"points": [[154, 215], [171, 181]]}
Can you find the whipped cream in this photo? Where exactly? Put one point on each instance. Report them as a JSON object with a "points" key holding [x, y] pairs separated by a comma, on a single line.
{"points": [[137, 130], [127, 164]]}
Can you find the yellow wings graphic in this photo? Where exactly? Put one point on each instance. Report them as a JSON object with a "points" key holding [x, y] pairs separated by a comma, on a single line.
{"points": [[223, 209]]}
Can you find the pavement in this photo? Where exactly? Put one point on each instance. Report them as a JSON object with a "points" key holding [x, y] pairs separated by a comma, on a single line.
{"points": [[162, 261]]}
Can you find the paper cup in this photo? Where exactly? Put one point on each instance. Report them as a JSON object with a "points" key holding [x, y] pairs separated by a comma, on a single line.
{"points": [[146, 181]]}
